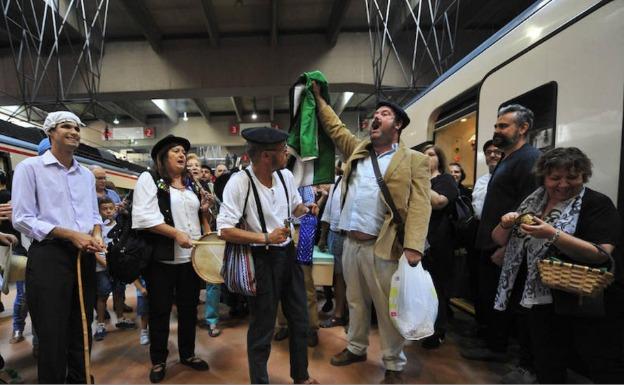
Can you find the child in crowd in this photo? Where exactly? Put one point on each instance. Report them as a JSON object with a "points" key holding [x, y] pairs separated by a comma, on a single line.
{"points": [[142, 310], [105, 283]]}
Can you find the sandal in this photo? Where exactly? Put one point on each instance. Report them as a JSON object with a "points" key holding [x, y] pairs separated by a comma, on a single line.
{"points": [[333, 321]]}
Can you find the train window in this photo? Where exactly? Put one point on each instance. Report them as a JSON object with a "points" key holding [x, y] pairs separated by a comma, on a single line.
{"points": [[543, 102]]}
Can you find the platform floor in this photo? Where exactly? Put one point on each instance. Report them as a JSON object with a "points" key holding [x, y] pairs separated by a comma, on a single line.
{"points": [[120, 359]]}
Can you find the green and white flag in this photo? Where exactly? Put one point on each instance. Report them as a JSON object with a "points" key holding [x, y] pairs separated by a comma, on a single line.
{"points": [[312, 148]]}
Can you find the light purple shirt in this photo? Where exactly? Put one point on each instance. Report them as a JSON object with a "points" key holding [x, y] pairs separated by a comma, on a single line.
{"points": [[47, 195]]}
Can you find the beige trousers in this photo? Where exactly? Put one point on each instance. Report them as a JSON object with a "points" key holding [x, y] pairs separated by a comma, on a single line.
{"points": [[368, 281], [311, 299]]}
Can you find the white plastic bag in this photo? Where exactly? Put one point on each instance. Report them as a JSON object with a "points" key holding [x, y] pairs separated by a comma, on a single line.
{"points": [[413, 301]]}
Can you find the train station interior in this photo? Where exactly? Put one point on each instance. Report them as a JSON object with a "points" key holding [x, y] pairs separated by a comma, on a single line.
{"points": [[136, 71]]}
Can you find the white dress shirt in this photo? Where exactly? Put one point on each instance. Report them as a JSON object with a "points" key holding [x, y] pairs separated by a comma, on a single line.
{"points": [[272, 199], [478, 193], [364, 208], [331, 214], [46, 194], [184, 210]]}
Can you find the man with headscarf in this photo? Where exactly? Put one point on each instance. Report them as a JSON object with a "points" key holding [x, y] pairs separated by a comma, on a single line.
{"points": [[55, 204]]}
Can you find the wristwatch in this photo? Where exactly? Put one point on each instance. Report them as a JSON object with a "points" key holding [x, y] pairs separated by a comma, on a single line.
{"points": [[555, 236], [266, 238]]}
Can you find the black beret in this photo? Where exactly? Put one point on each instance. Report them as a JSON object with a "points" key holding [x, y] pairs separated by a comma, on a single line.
{"points": [[264, 135], [170, 141], [398, 111]]}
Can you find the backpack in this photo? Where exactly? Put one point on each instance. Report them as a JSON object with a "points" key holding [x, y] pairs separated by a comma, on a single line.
{"points": [[128, 253]]}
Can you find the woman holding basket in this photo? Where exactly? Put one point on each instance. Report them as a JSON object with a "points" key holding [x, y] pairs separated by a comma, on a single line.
{"points": [[170, 206], [567, 221]]}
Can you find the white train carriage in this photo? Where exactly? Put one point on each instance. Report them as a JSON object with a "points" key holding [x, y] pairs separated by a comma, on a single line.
{"points": [[564, 59]]}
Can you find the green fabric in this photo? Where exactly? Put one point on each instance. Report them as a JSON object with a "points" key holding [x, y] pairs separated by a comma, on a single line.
{"points": [[306, 138]]}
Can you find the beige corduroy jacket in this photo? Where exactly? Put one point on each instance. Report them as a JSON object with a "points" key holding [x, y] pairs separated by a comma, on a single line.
{"points": [[407, 178]]}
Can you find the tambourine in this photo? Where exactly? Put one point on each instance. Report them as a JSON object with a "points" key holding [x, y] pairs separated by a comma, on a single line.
{"points": [[207, 257]]}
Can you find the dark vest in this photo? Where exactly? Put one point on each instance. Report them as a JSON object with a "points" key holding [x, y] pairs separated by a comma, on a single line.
{"points": [[163, 246]]}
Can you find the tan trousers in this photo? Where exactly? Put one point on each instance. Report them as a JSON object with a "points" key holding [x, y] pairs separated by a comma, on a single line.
{"points": [[311, 299], [368, 281]]}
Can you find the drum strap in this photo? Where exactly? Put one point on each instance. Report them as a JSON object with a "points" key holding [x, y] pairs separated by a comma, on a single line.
{"points": [[258, 204]]}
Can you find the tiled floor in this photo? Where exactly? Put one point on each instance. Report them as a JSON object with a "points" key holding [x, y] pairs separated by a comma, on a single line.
{"points": [[119, 358]]}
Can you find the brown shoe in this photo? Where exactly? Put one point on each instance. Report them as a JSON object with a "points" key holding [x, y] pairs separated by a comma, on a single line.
{"points": [[345, 357], [392, 377]]}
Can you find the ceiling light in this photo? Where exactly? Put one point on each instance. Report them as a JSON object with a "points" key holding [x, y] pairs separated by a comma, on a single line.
{"points": [[185, 117], [463, 120], [115, 121], [254, 116]]}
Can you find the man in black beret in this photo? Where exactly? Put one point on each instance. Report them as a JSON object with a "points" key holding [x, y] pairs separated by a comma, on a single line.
{"points": [[376, 236], [266, 195]]}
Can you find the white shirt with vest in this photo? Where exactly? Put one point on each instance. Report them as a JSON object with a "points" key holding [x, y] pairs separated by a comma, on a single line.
{"points": [[184, 210], [272, 199]]}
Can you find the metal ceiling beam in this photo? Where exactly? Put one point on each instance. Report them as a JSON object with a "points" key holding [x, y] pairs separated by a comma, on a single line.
{"points": [[203, 108], [210, 19], [137, 9], [274, 19], [129, 109], [167, 108], [237, 103], [336, 20]]}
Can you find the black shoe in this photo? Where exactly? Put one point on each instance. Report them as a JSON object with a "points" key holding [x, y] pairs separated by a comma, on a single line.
{"points": [[281, 334], [432, 342], [327, 306], [195, 363], [345, 357], [157, 373], [313, 338]]}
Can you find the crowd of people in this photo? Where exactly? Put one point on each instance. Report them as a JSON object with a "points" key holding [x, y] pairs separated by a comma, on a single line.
{"points": [[387, 201]]}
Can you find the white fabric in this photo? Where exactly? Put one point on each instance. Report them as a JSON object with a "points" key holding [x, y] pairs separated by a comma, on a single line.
{"points": [[364, 208], [273, 201], [331, 214], [57, 117], [478, 193], [184, 209]]}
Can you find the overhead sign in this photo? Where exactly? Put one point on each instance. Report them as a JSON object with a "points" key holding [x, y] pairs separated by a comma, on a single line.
{"points": [[128, 133]]}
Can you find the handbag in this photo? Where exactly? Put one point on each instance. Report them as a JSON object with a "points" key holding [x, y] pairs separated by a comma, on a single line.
{"points": [[578, 290], [238, 270]]}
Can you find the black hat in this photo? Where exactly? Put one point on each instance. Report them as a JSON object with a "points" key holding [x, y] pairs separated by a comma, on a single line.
{"points": [[398, 111], [264, 135], [170, 141]]}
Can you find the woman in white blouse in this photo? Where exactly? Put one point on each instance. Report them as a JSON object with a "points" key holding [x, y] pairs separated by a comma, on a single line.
{"points": [[169, 206]]}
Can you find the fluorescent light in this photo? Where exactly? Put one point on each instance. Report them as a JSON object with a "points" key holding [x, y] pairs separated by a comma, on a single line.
{"points": [[185, 117], [116, 121], [254, 116], [463, 120]]}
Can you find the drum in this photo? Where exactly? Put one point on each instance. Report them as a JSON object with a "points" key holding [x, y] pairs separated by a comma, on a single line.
{"points": [[207, 258]]}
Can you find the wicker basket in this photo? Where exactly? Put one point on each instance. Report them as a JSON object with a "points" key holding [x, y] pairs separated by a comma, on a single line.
{"points": [[577, 279]]}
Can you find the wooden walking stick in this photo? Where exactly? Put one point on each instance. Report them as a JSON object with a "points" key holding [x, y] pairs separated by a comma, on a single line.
{"points": [[83, 315]]}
